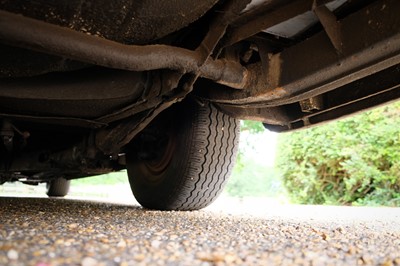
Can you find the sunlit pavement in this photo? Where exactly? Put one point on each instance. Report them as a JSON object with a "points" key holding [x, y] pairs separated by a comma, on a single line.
{"points": [[103, 225], [257, 207]]}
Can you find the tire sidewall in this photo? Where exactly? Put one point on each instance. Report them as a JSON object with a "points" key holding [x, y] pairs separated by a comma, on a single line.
{"points": [[183, 121]]}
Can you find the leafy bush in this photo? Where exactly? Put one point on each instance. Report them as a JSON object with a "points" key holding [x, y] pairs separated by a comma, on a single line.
{"points": [[250, 178], [106, 179], [353, 161]]}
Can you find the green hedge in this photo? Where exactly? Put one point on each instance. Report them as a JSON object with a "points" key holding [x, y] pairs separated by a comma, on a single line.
{"points": [[355, 161], [251, 178]]}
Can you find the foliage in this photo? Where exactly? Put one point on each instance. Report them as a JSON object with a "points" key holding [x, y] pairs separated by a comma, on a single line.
{"points": [[353, 161], [250, 179], [247, 127], [107, 179], [253, 127]]}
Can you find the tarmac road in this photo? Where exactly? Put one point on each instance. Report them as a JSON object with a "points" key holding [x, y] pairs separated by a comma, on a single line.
{"points": [[41, 232]]}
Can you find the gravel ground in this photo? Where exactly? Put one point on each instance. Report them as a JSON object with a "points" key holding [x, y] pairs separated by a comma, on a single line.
{"points": [[41, 232]]}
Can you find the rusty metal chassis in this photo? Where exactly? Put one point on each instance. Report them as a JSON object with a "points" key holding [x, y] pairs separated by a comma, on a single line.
{"points": [[350, 49], [324, 77], [99, 152], [350, 65]]}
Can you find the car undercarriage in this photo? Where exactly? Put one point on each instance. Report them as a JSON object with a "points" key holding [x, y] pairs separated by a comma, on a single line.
{"points": [[158, 87]]}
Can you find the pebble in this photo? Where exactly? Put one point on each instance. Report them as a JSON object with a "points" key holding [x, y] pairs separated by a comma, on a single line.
{"points": [[87, 261], [12, 254], [156, 243]]}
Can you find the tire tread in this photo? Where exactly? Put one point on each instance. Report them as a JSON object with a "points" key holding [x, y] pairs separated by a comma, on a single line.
{"points": [[216, 166], [207, 148]]}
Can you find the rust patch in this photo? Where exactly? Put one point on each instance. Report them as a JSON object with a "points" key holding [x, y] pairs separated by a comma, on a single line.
{"points": [[277, 93], [274, 71]]}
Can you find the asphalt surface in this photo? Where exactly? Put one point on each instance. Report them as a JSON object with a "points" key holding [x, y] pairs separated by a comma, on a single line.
{"points": [[41, 232]]}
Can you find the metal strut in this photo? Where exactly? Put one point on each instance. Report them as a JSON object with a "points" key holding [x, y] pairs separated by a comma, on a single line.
{"points": [[330, 24], [32, 34]]}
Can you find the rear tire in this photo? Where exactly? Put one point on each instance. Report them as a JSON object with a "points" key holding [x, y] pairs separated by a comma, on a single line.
{"points": [[184, 158], [58, 187]]}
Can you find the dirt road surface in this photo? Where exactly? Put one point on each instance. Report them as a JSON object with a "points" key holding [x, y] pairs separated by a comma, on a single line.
{"points": [[42, 232]]}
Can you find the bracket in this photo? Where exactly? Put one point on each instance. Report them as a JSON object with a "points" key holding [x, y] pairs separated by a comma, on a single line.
{"points": [[331, 25]]}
